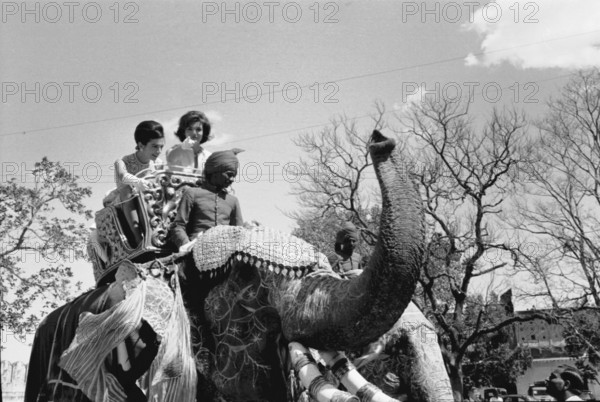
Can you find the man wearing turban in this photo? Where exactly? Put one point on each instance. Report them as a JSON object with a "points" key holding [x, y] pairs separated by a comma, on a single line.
{"points": [[565, 384], [345, 261], [210, 204]]}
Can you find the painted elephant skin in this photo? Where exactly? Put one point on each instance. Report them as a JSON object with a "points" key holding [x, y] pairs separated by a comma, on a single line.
{"points": [[248, 295]]}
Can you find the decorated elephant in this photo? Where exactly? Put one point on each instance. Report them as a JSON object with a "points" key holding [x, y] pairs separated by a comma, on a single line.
{"points": [[216, 323]]}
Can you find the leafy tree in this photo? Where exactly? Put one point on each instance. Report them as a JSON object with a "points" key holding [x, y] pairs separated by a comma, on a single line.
{"points": [[37, 244], [582, 336], [320, 231], [493, 359]]}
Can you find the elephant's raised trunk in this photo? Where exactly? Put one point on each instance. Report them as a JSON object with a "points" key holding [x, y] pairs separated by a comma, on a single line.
{"points": [[325, 312]]}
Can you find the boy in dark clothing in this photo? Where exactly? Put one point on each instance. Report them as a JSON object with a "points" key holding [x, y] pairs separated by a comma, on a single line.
{"points": [[345, 261]]}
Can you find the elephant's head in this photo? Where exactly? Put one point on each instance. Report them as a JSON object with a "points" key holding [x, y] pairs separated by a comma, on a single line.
{"points": [[249, 287]]}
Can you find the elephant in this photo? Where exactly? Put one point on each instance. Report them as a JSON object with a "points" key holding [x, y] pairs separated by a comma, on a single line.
{"points": [[215, 324]]}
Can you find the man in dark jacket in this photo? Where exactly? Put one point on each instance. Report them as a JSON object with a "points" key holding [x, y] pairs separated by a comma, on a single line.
{"points": [[209, 205]]}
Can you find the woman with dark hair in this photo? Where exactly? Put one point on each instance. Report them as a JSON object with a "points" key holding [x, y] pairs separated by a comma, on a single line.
{"points": [[150, 139], [193, 131]]}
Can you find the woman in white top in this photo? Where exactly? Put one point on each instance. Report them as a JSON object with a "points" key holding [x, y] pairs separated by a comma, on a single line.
{"points": [[193, 131]]}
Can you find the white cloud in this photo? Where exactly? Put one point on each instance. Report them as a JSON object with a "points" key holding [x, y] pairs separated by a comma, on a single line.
{"points": [[538, 34], [411, 99], [471, 60], [214, 116], [219, 139], [411, 95], [170, 126]]}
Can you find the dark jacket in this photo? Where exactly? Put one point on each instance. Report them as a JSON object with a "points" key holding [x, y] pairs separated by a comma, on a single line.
{"points": [[202, 208]]}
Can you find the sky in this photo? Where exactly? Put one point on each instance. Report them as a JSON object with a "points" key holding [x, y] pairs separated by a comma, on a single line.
{"points": [[78, 77]]}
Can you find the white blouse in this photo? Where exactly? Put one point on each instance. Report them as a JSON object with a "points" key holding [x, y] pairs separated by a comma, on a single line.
{"points": [[183, 156]]}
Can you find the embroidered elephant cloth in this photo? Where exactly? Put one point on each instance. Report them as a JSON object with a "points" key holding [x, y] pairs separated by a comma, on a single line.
{"points": [[96, 336], [261, 246], [53, 336], [172, 375]]}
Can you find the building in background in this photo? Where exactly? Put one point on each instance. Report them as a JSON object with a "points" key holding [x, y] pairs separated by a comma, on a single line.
{"points": [[548, 351]]}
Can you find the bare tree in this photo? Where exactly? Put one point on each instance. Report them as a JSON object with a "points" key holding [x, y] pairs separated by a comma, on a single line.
{"points": [[468, 174], [338, 179], [562, 209]]}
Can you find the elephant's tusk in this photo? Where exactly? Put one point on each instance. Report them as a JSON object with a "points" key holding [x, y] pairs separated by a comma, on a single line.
{"points": [[352, 379], [375, 352], [310, 376]]}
